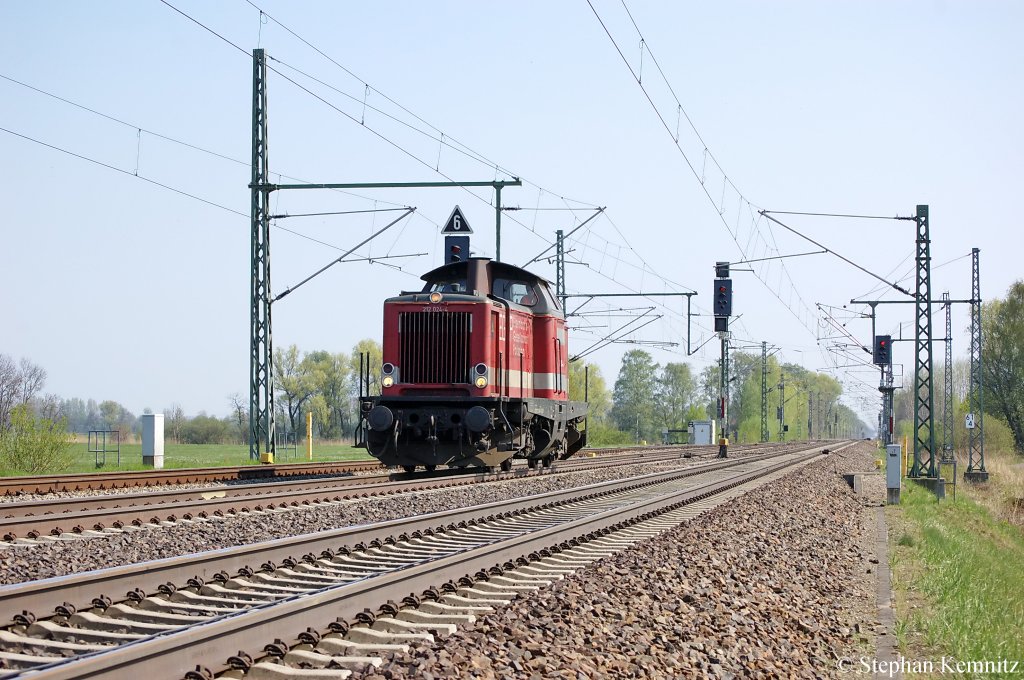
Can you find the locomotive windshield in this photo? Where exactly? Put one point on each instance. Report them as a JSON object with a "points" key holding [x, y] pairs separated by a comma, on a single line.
{"points": [[452, 285], [514, 290], [480, 277]]}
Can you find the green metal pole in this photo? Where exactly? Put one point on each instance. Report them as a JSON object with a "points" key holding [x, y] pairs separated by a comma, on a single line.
{"points": [[764, 391], [924, 395], [497, 220], [560, 268], [261, 368], [976, 471]]}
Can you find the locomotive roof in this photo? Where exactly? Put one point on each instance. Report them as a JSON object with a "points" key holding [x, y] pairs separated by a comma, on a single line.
{"points": [[495, 269]]}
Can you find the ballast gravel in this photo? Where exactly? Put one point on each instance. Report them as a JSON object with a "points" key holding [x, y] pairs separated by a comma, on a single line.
{"points": [[20, 563], [776, 583]]}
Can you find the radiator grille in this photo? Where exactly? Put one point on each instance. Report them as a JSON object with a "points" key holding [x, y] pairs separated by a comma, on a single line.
{"points": [[434, 346]]}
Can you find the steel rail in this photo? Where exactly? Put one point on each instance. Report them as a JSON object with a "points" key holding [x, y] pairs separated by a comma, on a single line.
{"points": [[57, 505], [80, 589], [42, 484], [116, 480], [32, 519], [209, 644]]}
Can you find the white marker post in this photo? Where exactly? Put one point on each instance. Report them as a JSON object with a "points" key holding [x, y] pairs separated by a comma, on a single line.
{"points": [[153, 440]]}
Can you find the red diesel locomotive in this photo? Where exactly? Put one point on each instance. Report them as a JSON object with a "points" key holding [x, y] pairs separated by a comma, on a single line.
{"points": [[474, 373]]}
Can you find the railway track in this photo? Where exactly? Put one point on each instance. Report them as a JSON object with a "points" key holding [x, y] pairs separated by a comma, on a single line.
{"points": [[43, 484], [86, 515], [333, 594]]}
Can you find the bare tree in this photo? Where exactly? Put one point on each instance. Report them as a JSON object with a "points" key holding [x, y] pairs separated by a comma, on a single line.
{"points": [[240, 412], [33, 378], [48, 407], [19, 384], [175, 419], [10, 388]]}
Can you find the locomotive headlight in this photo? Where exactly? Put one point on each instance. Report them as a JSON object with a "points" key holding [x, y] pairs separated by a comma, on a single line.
{"points": [[435, 297], [480, 375], [389, 374]]}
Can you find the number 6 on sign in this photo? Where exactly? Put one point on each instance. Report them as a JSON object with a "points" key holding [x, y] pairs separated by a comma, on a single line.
{"points": [[457, 223], [969, 421]]}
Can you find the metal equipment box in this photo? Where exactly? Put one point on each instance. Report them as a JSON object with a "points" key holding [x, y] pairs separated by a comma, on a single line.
{"points": [[702, 432], [893, 473]]}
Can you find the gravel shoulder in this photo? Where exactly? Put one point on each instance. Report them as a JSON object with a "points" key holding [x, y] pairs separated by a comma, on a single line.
{"points": [[777, 583]]}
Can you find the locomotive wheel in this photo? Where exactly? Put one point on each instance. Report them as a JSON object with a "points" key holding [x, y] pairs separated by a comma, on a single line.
{"points": [[531, 463], [409, 468], [506, 465], [546, 460], [430, 468]]}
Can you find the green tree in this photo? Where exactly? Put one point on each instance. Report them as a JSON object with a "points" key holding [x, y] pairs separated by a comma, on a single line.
{"points": [[116, 417], [1002, 324], [295, 382], [634, 395], [675, 393], [708, 395], [331, 403], [600, 433], [596, 390], [34, 445], [373, 352], [204, 429]]}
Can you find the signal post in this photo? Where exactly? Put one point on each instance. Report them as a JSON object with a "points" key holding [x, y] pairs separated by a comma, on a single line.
{"points": [[722, 301]]}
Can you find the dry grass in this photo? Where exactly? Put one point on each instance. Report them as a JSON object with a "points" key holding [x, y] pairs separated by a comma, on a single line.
{"points": [[1003, 494]]}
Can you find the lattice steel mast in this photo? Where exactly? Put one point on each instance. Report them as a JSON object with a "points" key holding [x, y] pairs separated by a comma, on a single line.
{"points": [[887, 402], [924, 392], [262, 439], [976, 471], [560, 269], [764, 392], [947, 387], [782, 406], [724, 393]]}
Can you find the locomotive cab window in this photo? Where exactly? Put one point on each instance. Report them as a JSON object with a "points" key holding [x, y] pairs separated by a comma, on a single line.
{"points": [[545, 292], [517, 291]]}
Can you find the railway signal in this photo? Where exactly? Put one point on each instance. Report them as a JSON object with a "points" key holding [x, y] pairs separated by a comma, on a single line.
{"points": [[882, 355], [456, 237], [721, 304], [456, 248], [721, 299]]}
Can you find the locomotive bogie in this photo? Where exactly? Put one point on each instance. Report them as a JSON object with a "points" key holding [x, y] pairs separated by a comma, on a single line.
{"points": [[481, 433]]}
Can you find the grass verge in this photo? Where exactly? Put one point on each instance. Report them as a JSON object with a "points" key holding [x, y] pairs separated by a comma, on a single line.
{"points": [[957, 576], [200, 455]]}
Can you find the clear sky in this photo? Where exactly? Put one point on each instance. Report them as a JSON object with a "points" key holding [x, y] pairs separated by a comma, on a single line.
{"points": [[125, 290]]}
